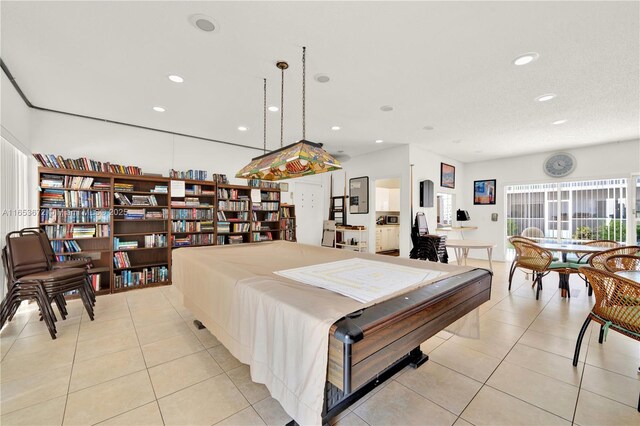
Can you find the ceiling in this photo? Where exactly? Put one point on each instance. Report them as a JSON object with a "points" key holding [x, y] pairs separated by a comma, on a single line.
{"points": [[448, 65]]}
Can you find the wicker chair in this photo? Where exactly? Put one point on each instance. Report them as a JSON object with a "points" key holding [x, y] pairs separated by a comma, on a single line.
{"points": [[533, 258], [617, 306], [514, 264], [622, 262]]}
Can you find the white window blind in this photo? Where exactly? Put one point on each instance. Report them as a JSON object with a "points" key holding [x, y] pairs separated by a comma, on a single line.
{"points": [[16, 211]]}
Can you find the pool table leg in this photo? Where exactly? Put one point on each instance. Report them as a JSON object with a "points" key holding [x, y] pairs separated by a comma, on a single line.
{"points": [[198, 324], [417, 358]]}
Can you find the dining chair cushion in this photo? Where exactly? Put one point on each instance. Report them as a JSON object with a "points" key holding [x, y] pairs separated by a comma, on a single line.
{"points": [[560, 265]]}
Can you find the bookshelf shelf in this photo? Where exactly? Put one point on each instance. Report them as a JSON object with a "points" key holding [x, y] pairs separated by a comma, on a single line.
{"points": [[138, 249], [77, 238], [133, 234], [142, 266]]}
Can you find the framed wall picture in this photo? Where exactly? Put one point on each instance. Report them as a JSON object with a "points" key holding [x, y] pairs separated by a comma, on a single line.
{"points": [[359, 195], [484, 191], [447, 176]]}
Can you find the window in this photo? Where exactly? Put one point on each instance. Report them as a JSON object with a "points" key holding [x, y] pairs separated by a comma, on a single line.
{"points": [[445, 210], [15, 207], [585, 210]]}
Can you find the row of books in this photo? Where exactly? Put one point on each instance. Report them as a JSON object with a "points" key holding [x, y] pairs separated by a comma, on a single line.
{"points": [[226, 227], [136, 200], [124, 245], [76, 231], [58, 162], [160, 189], [287, 223], [259, 226], [289, 234], [184, 226], [270, 196], [95, 281], [261, 236], [233, 216], [257, 183], [192, 240], [68, 246], [122, 187], [75, 199], [230, 239], [73, 182], [268, 216], [191, 214], [230, 194], [155, 240], [121, 260], [53, 215], [156, 274], [286, 211], [139, 214], [189, 202], [233, 205], [266, 206], [197, 190], [189, 174]]}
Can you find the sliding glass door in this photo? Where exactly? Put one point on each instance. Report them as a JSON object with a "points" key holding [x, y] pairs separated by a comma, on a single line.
{"points": [[583, 210]]}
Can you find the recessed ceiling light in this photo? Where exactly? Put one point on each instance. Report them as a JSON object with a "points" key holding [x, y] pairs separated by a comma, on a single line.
{"points": [[526, 58], [243, 128], [176, 78], [379, 141], [545, 97], [159, 109], [335, 128], [559, 122], [428, 127], [386, 108], [273, 108], [321, 78], [204, 23], [456, 141]]}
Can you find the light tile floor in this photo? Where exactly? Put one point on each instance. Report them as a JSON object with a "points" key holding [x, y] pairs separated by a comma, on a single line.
{"points": [[142, 362]]}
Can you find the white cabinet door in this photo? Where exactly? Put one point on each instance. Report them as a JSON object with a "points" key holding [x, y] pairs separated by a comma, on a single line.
{"points": [[394, 238], [394, 200], [378, 239], [382, 199], [384, 243]]}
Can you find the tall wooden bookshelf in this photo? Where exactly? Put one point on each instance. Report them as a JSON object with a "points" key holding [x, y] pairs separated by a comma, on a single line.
{"points": [[193, 215], [141, 221], [288, 222], [128, 224], [75, 212], [233, 225], [265, 216]]}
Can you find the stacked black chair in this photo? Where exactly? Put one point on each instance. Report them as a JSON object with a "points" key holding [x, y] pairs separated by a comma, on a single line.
{"points": [[427, 246]]}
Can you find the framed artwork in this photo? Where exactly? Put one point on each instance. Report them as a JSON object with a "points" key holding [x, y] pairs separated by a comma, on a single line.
{"points": [[484, 191], [447, 176], [359, 195]]}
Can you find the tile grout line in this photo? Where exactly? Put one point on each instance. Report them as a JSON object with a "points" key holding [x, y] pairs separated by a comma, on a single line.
{"points": [[584, 367], [73, 362], [505, 356], [422, 396], [135, 330]]}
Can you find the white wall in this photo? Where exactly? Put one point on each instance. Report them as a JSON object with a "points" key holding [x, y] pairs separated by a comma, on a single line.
{"points": [[617, 159]]}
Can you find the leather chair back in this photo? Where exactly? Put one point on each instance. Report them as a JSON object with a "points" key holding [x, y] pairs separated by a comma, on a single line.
{"points": [[25, 254]]}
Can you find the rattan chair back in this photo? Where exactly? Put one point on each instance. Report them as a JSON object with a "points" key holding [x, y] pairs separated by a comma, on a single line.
{"points": [[603, 243], [531, 256], [622, 262], [598, 260]]}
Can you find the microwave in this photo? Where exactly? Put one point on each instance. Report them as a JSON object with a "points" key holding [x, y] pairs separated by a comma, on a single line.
{"points": [[392, 220]]}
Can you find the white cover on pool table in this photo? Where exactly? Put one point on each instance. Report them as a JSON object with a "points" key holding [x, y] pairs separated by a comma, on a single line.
{"points": [[278, 326]]}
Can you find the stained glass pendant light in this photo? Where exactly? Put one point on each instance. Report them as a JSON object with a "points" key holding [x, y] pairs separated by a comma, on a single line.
{"points": [[302, 158]]}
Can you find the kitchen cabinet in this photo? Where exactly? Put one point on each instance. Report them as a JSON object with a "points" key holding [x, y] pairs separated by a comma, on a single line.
{"points": [[387, 238], [387, 200]]}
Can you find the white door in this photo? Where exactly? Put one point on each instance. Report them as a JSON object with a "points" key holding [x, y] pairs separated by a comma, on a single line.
{"points": [[309, 212]]}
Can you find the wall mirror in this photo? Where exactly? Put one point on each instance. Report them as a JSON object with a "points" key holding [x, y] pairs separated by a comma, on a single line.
{"points": [[359, 195]]}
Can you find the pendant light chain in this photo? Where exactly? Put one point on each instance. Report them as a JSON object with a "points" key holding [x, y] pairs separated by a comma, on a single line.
{"points": [[282, 108], [304, 91], [264, 115]]}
